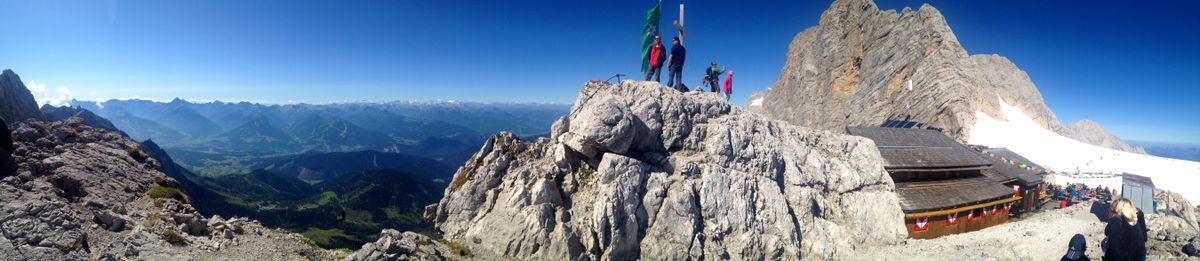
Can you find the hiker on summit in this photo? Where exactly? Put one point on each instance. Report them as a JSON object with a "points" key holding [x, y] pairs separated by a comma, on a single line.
{"points": [[728, 86], [714, 76], [656, 59], [675, 63]]}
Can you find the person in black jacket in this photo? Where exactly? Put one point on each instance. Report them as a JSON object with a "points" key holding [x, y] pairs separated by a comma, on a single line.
{"points": [[675, 64], [1125, 234]]}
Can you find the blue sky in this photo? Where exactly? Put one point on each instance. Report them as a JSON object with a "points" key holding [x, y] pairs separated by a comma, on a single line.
{"points": [[1133, 67]]}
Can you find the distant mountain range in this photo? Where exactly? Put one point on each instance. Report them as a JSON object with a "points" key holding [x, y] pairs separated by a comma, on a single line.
{"points": [[1181, 151], [337, 173], [219, 138]]}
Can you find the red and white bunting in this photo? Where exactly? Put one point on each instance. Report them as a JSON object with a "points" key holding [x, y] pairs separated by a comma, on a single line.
{"points": [[995, 210], [952, 219], [970, 215], [922, 224]]}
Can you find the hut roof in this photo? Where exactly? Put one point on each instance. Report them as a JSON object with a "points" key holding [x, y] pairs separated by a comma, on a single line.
{"points": [[944, 194], [1143, 181], [1008, 171], [919, 149]]}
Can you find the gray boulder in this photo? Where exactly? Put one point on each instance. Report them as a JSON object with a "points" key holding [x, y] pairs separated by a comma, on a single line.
{"points": [[394, 245], [699, 179]]}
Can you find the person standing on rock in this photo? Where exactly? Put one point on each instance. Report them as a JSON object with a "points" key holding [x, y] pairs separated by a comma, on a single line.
{"points": [[675, 64], [714, 76], [1125, 234], [728, 86], [656, 59]]}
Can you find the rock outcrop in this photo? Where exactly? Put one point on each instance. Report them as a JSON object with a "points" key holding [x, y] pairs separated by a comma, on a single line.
{"points": [[86, 193], [1091, 132], [393, 245], [53, 113], [638, 170], [16, 102], [857, 65]]}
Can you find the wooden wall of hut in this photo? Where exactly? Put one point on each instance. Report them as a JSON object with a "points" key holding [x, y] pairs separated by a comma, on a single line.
{"points": [[938, 226]]}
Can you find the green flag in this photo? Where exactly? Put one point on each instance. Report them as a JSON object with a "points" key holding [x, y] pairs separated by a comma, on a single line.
{"points": [[652, 20]]}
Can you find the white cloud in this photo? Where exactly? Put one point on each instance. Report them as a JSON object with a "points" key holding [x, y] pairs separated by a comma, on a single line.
{"points": [[39, 94]]}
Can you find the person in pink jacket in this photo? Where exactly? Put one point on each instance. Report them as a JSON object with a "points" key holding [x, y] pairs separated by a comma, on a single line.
{"points": [[728, 86]]}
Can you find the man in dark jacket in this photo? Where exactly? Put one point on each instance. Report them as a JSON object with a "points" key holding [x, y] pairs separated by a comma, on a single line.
{"points": [[657, 57], [675, 63]]}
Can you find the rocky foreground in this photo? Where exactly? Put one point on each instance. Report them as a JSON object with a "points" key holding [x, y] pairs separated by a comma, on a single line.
{"points": [[83, 193], [642, 171]]}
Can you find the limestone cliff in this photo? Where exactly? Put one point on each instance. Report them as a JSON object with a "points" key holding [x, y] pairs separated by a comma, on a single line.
{"points": [[857, 65], [1091, 132], [637, 170], [16, 102]]}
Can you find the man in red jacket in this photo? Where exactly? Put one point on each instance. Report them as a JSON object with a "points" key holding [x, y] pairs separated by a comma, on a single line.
{"points": [[656, 59]]}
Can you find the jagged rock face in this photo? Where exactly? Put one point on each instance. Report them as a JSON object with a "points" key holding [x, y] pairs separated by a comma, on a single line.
{"points": [[642, 171], [16, 102], [1093, 133], [855, 66], [83, 193]]}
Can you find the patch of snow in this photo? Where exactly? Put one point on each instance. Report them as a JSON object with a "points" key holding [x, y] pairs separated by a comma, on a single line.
{"points": [[756, 102], [1061, 154]]}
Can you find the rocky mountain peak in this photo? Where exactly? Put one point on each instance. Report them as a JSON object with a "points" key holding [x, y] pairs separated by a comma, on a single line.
{"points": [[1092, 132], [857, 65], [16, 102], [637, 170]]}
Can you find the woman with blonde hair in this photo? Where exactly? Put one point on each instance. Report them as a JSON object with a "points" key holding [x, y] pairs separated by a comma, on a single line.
{"points": [[1125, 234]]}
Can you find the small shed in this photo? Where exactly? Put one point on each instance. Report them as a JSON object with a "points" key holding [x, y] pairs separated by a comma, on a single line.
{"points": [[1138, 189]]}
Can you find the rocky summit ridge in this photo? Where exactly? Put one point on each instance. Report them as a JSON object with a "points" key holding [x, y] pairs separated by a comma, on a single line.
{"points": [[861, 65], [1091, 132], [640, 171]]}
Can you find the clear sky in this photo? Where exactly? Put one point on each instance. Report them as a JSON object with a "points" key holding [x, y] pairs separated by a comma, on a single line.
{"points": [[1134, 67]]}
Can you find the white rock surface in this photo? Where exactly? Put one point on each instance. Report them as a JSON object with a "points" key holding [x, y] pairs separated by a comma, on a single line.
{"points": [[698, 179]]}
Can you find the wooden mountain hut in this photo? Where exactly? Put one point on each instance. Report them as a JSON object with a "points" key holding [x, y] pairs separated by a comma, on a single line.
{"points": [[939, 181], [1018, 173]]}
